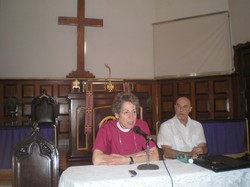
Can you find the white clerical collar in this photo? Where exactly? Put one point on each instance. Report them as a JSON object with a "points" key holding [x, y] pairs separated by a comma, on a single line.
{"points": [[120, 127]]}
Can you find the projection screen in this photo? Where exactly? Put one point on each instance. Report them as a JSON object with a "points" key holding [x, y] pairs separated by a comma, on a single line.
{"points": [[193, 46]]}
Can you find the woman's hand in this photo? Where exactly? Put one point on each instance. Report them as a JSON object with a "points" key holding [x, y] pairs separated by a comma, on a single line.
{"points": [[116, 159]]}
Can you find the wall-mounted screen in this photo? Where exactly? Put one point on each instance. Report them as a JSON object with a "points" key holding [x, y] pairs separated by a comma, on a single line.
{"points": [[199, 45]]}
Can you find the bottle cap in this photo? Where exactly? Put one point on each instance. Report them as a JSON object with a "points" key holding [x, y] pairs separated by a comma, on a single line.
{"points": [[190, 161]]}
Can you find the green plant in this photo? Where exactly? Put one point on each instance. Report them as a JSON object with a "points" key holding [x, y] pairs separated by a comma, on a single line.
{"points": [[11, 103]]}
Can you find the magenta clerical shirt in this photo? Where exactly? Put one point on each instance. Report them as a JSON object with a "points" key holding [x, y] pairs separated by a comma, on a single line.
{"points": [[110, 139]]}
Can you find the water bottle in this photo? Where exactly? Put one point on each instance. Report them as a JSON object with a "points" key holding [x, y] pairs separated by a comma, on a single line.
{"points": [[184, 158]]}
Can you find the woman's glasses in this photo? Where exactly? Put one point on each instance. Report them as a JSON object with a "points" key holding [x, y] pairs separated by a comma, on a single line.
{"points": [[128, 113]]}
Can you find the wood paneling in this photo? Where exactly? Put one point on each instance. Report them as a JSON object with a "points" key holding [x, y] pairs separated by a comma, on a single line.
{"points": [[184, 88], [28, 91], [241, 80], [80, 135], [210, 96], [63, 90], [25, 90]]}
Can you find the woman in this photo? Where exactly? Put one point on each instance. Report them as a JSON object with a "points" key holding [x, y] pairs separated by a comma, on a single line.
{"points": [[116, 142]]}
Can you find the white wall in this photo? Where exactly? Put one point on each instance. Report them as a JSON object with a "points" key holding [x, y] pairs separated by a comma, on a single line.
{"points": [[32, 44], [174, 9], [240, 17]]}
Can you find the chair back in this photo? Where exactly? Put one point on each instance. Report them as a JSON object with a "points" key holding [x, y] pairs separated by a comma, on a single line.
{"points": [[100, 115], [44, 112], [35, 162], [43, 109]]}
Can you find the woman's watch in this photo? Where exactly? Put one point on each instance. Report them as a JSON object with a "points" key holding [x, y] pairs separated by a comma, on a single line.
{"points": [[131, 160]]}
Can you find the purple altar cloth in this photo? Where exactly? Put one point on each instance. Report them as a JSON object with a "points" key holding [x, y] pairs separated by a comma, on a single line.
{"points": [[227, 136], [10, 136]]}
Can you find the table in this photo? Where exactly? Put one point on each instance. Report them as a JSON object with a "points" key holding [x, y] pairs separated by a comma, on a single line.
{"points": [[183, 174]]}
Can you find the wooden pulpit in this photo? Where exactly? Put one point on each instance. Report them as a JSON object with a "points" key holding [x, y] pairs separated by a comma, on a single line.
{"points": [[86, 108], [80, 142]]}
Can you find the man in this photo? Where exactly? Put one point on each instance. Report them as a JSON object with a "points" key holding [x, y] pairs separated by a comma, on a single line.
{"points": [[181, 134]]}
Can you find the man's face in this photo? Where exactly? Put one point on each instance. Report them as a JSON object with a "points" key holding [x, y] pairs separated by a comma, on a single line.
{"points": [[182, 108]]}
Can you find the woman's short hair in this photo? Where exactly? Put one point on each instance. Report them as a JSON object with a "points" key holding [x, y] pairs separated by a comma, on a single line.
{"points": [[122, 97]]}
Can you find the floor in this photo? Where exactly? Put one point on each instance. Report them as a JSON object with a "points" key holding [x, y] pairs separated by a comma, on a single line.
{"points": [[5, 174], [5, 185], [5, 178]]}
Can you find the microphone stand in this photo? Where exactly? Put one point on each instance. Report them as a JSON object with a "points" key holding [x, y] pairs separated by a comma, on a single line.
{"points": [[147, 166]]}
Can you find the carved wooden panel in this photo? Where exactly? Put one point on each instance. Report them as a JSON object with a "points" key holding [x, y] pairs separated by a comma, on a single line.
{"points": [[82, 138], [241, 80], [210, 97], [63, 90], [167, 89], [26, 109], [202, 105], [202, 88], [10, 90], [202, 101], [142, 87], [167, 101], [202, 108], [184, 88], [80, 142], [223, 107], [64, 125], [28, 90], [167, 106], [63, 108], [221, 86]]}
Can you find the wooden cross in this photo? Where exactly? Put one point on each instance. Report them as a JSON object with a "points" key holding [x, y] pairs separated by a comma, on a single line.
{"points": [[80, 21]]}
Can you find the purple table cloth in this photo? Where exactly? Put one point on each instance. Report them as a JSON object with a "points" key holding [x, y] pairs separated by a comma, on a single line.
{"points": [[10, 136]]}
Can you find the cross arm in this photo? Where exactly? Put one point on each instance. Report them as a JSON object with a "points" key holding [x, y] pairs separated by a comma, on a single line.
{"points": [[67, 21], [92, 22]]}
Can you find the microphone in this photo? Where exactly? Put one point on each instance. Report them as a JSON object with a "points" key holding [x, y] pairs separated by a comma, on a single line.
{"points": [[146, 166], [138, 130]]}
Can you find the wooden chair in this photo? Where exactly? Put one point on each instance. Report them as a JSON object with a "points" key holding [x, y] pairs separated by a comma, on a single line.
{"points": [[100, 115], [35, 162], [44, 112], [157, 128]]}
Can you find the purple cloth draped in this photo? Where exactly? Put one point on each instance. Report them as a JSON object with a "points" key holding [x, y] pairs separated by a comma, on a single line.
{"points": [[10, 136], [226, 136]]}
